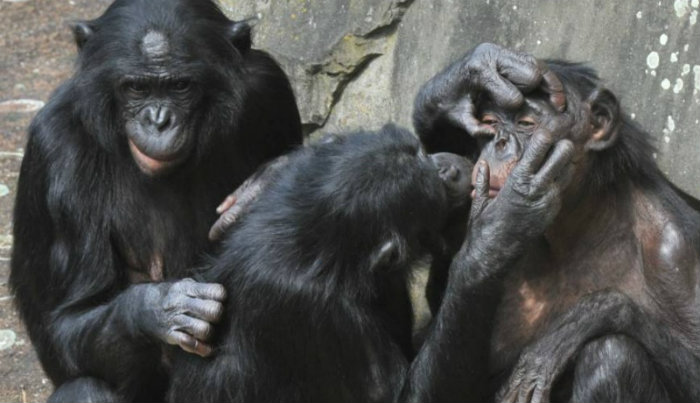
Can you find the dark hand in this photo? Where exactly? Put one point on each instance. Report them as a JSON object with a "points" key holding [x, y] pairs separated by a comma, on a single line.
{"points": [[501, 74], [182, 313], [242, 198], [501, 228]]}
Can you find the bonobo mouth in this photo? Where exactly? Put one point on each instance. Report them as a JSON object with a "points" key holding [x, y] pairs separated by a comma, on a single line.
{"points": [[153, 166], [497, 179]]}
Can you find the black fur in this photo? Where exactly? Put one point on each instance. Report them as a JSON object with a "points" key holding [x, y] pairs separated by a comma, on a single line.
{"points": [[82, 204], [309, 316]]}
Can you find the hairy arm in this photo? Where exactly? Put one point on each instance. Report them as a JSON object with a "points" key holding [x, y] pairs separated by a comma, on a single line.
{"points": [[452, 364], [599, 314], [71, 287]]}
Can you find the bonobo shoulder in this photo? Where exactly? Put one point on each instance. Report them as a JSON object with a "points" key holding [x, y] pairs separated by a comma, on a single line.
{"points": [[668, 251]]}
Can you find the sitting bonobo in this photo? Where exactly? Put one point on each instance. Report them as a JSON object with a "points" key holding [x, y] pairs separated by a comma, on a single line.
{"points": [[603, 307], [310, 269]]}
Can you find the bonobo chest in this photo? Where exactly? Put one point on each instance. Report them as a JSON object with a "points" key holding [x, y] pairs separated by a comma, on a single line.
{"points": [[541, 287], [161, 238]]}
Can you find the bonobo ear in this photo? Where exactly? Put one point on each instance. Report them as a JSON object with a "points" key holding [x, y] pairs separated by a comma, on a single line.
{"points": [[82, 31], [386, 255], [239, 34], [605, 119]]}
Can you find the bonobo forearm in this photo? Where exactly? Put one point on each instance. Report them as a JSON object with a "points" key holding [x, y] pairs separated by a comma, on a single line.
{"points": [[452, 364], [89, 339], [596, 315]]}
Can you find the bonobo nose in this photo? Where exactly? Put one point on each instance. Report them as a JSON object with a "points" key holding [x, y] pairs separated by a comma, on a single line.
{"points": [[449, 173], [158, 116], [451, 168]]}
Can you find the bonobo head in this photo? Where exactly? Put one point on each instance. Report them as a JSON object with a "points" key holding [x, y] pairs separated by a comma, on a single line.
{"points": [[379, 196], [591, 121], [165, 76]]}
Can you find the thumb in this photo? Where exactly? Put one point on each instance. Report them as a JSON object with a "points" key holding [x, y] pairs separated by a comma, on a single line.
{"points": [[481, 186]]}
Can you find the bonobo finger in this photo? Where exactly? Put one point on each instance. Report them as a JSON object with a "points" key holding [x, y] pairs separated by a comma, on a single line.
{"points": [[224, 222], [540, 395], [208, 310], [228, 202], [553, 86], [190, 344], [480, 194], [521, 69], [212, 291], [463, 115], [503, 92], [534, 154], [558, 161], [198, 329], [510, 397], [244, 196]]}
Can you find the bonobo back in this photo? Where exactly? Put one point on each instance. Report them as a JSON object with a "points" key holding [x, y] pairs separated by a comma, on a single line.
{"points": [[306, 270]]}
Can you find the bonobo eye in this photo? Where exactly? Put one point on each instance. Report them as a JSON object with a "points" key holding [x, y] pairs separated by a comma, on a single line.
{"points": [[526, 122], [181, 85], [489, 119], [137, 88]]}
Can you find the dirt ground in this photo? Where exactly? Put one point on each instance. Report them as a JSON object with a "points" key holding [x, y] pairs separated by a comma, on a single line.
{"points": [[36, 54]]}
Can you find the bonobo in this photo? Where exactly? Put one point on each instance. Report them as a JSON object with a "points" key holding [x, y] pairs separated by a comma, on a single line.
{"points": [[618, 267], [169, 109], [602, 307], [309, 316]]}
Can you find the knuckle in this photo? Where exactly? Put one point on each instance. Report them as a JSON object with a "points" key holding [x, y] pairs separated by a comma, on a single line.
{"points": [[217, 311], [203, 331], [219, 290]]}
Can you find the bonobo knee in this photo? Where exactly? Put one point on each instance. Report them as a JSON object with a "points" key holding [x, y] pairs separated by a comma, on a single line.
{"points": [[84, 390], [616, 368]]}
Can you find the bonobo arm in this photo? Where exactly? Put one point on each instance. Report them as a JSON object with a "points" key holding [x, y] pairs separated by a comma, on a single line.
{"points": [[599, 314], [71, 288], [238, 202], [452, 364], [444, 112], [110, 339]]}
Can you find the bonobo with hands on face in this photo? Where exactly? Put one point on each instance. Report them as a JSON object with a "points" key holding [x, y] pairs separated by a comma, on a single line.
{"points": [[169, 109], [600, 308]]}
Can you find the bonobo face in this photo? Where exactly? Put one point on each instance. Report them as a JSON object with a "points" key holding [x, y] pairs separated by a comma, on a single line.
{"points": [[163, 79], [157, 103], [513, 130]]}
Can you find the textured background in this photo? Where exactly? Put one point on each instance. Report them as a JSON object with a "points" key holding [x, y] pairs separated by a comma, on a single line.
{"points": [[359, 63]]}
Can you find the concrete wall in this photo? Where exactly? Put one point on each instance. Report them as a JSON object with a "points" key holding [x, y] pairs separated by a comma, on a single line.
{"points": [[359, 63]]}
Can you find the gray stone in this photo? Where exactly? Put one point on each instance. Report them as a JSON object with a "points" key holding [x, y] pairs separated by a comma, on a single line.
{"points": [[7, 339], [359, 63]]}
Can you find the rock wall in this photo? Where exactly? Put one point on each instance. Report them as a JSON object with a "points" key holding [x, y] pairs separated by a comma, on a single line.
{"points": [[359, 63]]}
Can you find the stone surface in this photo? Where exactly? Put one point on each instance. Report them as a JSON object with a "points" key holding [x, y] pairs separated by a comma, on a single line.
{"points": [[648, 53]]}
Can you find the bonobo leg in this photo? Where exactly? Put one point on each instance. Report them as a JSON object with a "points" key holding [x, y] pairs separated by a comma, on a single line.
{"points": [[616, 369], [84, 390]]}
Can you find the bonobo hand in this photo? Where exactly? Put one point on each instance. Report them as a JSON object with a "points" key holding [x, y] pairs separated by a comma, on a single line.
{"points": [[501, 74], [501, 228], [242, 198], [182, 313]]}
